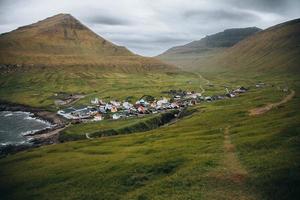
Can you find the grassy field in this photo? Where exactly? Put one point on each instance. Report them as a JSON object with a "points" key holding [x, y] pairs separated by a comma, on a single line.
{"points": [[37, 87], [117, 127], [190, 159]]}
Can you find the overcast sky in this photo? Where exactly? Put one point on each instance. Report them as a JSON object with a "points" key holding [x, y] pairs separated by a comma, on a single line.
{"points": [[149, 27]]}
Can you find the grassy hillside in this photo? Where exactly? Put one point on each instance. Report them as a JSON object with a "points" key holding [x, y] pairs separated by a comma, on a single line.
{"points": [[59, 54], [216, 153], [201, 51], [274, 49], [62, 40], [37, 86]]}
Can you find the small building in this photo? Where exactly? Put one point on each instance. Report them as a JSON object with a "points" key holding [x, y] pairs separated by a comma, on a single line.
{"points": [[98, 117], [116, 104], [141, 110], [95, 101], [127, 105], [230, 95], [66, 113], [162, 102], [114, 109], [153, 104], [108, 107], [174, 105], [177, 97], [240, 90], [142, 102], [102, 109], [208, 98], [116, 116]]}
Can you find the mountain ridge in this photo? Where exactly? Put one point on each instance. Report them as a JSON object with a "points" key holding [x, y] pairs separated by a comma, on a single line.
{"points": [[62, 40], [205, 49], [277, 48], [215, 40]]}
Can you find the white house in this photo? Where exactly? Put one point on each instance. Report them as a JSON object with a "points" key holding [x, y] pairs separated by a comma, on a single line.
{"points": [[116, 116], [115, 103], [162, 102], [208, 98], [95, 101], [127, 105]]}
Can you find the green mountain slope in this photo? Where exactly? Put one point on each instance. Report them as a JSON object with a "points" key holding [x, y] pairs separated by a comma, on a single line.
{"points": [[62, 40], [205, 49], [59, 54], [274, 49]]}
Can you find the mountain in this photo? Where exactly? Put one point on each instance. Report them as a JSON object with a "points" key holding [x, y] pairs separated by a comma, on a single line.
{"points": [[224, 39], [62, 40], [274, 49], [206, 48]]}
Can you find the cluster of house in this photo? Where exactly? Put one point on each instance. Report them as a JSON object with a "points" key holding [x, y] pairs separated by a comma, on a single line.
{"points": [[98, 110], [118, 109]]}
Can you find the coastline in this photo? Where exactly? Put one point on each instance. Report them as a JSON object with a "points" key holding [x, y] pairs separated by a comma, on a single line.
{"points": [[39, 138], [39, 113]]}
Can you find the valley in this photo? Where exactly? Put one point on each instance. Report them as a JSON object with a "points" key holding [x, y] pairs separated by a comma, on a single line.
{"points": [[184, 159], [224, 145]]}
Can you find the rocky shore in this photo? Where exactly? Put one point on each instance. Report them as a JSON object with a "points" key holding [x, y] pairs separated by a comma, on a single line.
{"points": [[39, 138], [39, 113]]}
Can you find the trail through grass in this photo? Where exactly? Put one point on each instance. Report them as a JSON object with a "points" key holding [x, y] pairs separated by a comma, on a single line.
{"points": [[269, 106]]}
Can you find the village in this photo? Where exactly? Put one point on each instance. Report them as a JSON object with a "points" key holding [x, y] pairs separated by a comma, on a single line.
{"points": [[99, 110]]}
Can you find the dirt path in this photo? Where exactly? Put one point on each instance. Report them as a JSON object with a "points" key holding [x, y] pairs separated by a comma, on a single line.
{"points": [[202, 78], [228, 180], [268, 107], [235, 171]]}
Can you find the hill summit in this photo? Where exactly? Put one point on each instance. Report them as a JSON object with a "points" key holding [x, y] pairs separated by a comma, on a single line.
{"points": [[63, 40]]}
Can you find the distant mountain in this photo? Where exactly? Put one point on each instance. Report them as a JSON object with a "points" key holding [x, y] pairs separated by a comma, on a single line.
{"points": [[274, 49], [224, 39], [185, 55], [62, 40]]}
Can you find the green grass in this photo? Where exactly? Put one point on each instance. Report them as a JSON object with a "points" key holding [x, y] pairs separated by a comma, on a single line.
{"points": [[116, 127], [37, 87], [180, 161]]}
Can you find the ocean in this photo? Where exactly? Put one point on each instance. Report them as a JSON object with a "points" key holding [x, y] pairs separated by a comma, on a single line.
{"points": [[15, 125]]}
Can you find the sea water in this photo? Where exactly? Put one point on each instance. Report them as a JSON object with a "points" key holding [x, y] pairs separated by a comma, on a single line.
{"points": [[14, 126]]}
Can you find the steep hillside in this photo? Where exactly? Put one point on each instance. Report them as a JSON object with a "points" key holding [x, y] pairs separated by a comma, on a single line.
{"points": [[59, 54], [62, 40], [205, 49], [274, 49]]}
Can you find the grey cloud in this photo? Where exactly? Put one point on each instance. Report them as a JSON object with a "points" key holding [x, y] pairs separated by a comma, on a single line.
{"points": [[106, 20], [151, 39], [276, 6], [209, 15]]}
